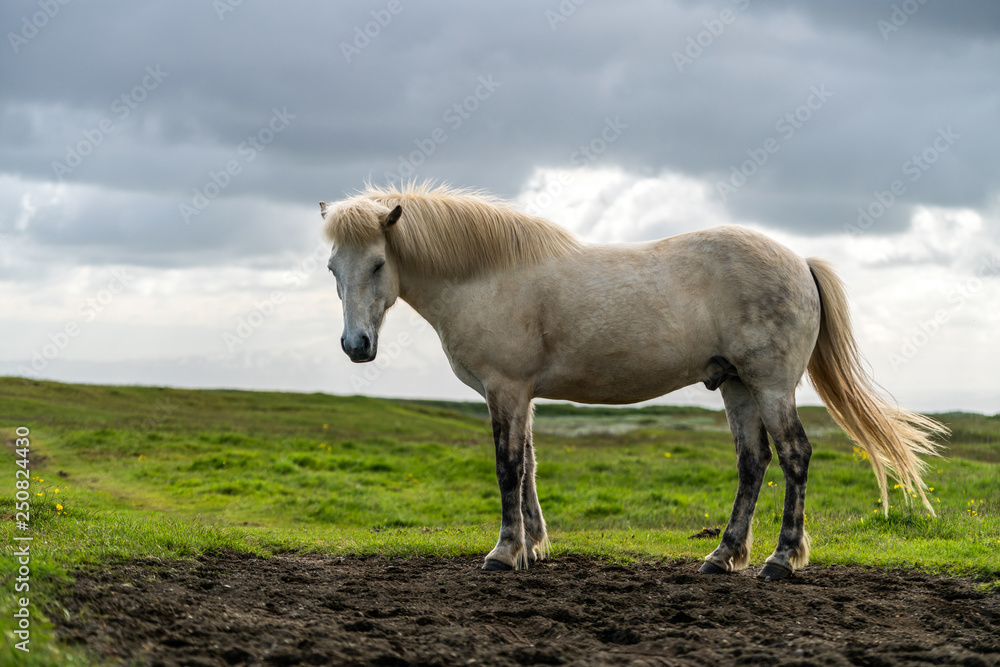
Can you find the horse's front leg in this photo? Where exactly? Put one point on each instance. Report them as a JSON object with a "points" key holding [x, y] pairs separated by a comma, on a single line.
{"points": [[509, 412], [536, 536]]}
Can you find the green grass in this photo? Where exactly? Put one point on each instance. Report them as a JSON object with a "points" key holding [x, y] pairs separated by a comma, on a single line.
{"points": [[144, 472]]}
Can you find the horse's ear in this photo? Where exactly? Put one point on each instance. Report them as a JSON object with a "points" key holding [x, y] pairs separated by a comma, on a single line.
{"points": [[392, 217], [323, 208]]}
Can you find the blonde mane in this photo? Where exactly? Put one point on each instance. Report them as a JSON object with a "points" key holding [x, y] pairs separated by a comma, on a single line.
{"points": [[444, 231]]}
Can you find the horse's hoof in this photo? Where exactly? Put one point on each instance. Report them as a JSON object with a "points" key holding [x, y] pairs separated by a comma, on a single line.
{"points": [[710, 568], [496, 566], [773, 571]]}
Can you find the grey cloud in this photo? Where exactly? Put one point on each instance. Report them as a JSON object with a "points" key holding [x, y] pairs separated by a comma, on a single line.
{"points": [[353, 120]]}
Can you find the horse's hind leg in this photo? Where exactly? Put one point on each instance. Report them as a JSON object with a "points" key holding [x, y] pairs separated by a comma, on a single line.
{"points": [[510, 415], [536, 537], [794, 451], [753, 454]]}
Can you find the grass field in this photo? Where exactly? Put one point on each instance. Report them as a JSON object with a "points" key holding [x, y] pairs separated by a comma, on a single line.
{"points": [[130, 472]]}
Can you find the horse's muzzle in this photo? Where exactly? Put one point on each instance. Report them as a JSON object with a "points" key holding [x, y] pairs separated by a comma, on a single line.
{"points": [[360, 349]]}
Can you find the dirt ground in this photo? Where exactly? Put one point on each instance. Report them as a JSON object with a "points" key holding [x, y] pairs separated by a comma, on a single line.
{"points": [[235, 609]]}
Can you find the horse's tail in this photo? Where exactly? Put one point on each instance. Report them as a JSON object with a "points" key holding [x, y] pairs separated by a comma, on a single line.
{"points": [[892, 437]]}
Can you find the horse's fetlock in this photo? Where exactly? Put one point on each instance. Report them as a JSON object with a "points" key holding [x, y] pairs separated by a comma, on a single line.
{"points": [[799, 556], [740, 557], [540, 547]]}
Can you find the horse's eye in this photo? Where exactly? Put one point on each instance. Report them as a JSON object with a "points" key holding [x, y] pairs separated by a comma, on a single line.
{"points": [[378, 267]]}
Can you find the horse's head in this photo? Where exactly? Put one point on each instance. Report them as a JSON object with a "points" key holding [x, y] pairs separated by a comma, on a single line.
{"points": [[367, 279]]}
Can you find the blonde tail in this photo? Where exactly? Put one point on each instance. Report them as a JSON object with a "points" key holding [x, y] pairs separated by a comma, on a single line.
{"points": [[892, 436]]}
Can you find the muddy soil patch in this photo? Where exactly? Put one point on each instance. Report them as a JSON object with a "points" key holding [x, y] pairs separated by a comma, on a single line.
{"points": [[234, 609]]}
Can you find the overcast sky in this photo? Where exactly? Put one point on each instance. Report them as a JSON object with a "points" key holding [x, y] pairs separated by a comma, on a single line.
{"points": [[160, 165]]}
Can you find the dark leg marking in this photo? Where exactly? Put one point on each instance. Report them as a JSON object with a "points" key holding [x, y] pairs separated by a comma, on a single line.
{"points": [[510, 474], [794, 452], [753, 455]]}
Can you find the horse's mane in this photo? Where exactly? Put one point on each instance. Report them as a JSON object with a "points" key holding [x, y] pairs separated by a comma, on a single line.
{"points": [[446, 231]]}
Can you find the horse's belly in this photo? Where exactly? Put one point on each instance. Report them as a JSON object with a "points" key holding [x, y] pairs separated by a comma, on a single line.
{"points": [[614, 381]]}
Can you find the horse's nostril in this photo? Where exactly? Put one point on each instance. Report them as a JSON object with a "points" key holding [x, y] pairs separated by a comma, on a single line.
{"points": [[366, 343], [343, 344]]}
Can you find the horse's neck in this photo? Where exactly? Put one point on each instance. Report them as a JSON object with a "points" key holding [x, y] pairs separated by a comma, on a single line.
{"points": [[429, 296]]}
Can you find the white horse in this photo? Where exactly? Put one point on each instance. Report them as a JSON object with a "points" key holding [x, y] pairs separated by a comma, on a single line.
{"points": [[525, 309]]}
